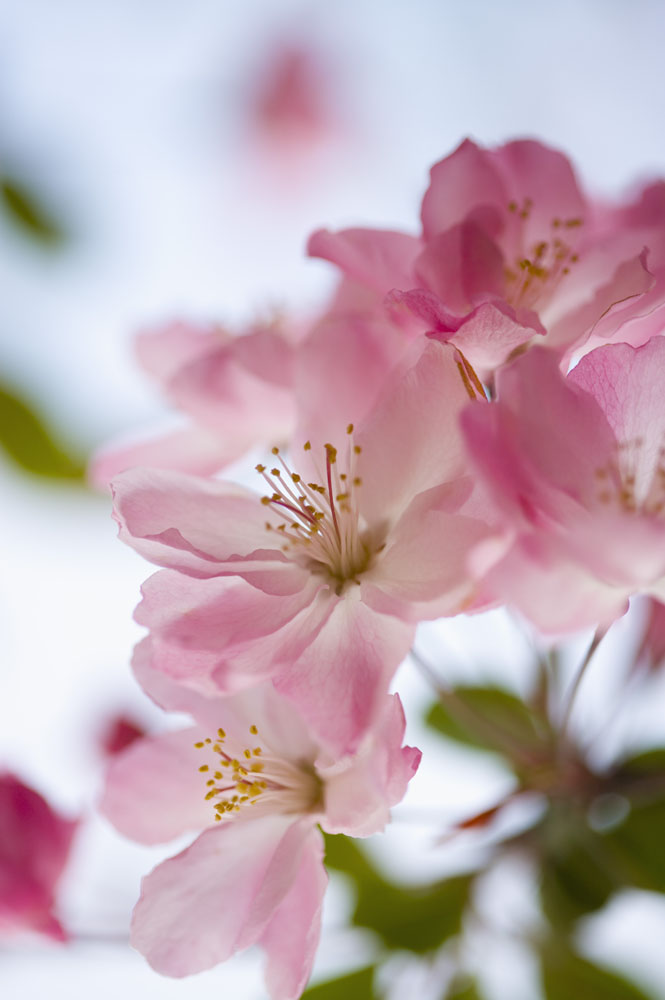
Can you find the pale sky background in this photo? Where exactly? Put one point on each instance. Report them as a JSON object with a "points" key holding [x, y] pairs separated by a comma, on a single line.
{"points": [[130, 117]]}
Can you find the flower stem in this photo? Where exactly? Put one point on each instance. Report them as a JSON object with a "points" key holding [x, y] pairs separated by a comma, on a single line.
{"points": [[571, 695]]}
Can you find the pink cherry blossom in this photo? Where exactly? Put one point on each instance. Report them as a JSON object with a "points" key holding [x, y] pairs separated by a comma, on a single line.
{"points": [[236, 390], [260, 388], [292, 107], [253, 777], [35, 842], [576, 467], [510, 249], [320, 583]]}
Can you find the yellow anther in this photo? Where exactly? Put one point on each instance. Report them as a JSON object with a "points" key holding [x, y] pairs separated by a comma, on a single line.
{"points": [[257, 751], [331, 452], [260, 468], [357, 449], [199, 744], [247, 753], [208, 740], [221, 734], [204, 767], [210, 794], [307, 446], [349, 429], [275, 472], [295, 477], [357, 481], [275, 450], [253, 730], [210, 781]]}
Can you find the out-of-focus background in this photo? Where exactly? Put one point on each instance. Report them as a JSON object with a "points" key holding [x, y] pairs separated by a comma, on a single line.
{"points": [[146, 175]]}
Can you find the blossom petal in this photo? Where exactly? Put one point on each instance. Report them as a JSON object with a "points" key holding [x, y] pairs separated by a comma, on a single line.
{"points": [[551, 590], [628, 385], [544, 176], [538, 447], [411, 440], [381, 259], [228, 631], [189, 449], [198, 526], [291, 938], [340, 370], [462, 266], [424, 571], [460, 183], [152, 793], [359, 796], [218, 895], [339, 680]]}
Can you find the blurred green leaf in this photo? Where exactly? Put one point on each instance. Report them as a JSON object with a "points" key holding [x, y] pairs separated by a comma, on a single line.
{"points": [[354, 986], [463, 989], [638, 845], [649, 763], [637, 842], [417, 918], [344, 855], [492, 719], [26, 439], [567, 976], [28, 213], [577, 874]]}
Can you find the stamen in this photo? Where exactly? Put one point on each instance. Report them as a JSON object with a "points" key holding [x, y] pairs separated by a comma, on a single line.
{"points": [[324, 536], [290, 787]]}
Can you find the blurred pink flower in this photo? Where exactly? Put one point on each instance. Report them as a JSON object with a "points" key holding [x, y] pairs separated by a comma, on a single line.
{"points": [[236, 390], [292, 104], [251, 774], [119, 733], [34, 847], [510, 249], [576, 467], [258, 388], [327, 590]]}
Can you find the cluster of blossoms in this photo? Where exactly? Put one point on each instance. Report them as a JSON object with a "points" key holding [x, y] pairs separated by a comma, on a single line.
{"points": [[477, 419]]}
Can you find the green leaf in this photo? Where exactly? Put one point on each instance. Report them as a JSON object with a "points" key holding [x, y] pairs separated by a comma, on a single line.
{"points": [[578, 873], [27, 440], [344, 855], [650, 762], [491, 719], [354, 986], [25, 210], [463, 989], [638, 846], [567, 976], [417, 918]]}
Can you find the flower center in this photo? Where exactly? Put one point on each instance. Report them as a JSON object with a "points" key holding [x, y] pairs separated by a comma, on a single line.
{"points": [[538, 271], [320, 523], [240, 777]]}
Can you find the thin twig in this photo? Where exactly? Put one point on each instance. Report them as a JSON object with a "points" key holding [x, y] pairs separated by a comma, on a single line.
{"points": [[498, 739], [570, 697]]}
